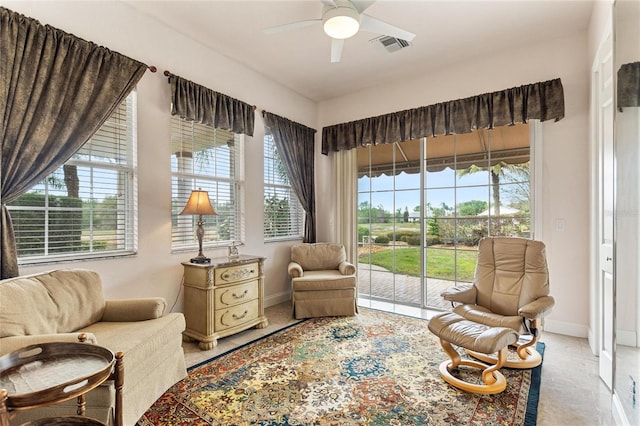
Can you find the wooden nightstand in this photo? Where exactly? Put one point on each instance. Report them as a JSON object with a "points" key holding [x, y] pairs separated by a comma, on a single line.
{"points": [[222, 298]]}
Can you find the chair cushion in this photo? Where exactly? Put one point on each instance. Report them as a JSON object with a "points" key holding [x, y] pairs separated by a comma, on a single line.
{"points": [[323, 280], [482, 315], [510, 273], [318, 256]]}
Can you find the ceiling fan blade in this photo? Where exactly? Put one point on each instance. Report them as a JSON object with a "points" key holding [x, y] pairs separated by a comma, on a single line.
{"points": [[336, 49], [373, 25], [362, 5], [291, 26]]}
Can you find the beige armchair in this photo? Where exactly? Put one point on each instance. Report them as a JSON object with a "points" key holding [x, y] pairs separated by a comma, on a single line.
{"points": [[510, 289], [323, 283]]}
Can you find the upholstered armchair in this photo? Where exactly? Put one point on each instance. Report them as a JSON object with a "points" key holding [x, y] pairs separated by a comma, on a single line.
{"points": [[323, 283], [510, 289]]}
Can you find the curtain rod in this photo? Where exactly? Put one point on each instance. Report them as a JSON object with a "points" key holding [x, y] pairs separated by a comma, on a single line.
{"points": [[167, 74], [152, 68]]}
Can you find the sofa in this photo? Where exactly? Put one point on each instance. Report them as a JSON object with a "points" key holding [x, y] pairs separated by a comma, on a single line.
{"points": [[323, 283], [59, 305]]}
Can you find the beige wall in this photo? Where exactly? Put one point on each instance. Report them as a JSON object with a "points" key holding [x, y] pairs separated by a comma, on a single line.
{"points": [[156, 270], [565, 181]]}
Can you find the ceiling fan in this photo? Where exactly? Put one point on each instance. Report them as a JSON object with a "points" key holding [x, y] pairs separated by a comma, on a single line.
{"points": [[342, 19]]}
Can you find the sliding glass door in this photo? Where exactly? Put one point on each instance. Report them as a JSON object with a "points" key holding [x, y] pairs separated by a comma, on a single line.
{"points": [[423, 206]]}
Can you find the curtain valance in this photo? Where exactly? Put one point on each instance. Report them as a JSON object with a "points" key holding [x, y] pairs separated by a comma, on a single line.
{"points": [[194, 102], [629, 85], [542, 101]]}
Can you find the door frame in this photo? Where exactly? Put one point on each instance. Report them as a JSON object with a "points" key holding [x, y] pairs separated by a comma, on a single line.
{"points": [[597, 312]]}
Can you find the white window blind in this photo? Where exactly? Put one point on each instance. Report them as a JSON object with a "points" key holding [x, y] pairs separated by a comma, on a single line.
{"points": [[210, 159], [86, 208], [283, 214]]}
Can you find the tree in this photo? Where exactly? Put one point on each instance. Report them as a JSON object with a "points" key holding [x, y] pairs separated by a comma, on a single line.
{"points": [[497, 171], [471, 208], [367, 214], [406, 214], [276, 216]]}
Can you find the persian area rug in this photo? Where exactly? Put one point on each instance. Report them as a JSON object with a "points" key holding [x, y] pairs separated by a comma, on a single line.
{"points": [[376, 368]]}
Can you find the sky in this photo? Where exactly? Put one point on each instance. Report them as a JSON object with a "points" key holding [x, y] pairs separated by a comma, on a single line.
{"points": [[441, 187]]}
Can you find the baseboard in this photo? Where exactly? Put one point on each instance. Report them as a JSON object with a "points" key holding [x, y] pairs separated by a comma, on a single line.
{"points": [[626, 338], [566, 328], [592, 341], [619, 417], [276, 299]]}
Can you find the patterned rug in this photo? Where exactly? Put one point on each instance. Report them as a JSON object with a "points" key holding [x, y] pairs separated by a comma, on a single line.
{"points": [[376, 368]]}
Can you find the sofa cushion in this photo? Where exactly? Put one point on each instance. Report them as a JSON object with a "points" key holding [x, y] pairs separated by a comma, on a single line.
{"points": [[60, 301], [138, 340], [313, 257]]}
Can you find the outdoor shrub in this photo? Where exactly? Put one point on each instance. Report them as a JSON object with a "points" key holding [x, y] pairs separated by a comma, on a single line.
{"points": [[432, 240], [363, 231], [413, 240], [382, 239]]}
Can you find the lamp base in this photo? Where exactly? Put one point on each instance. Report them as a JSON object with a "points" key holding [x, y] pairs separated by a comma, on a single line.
{"points": [[201, 259]]}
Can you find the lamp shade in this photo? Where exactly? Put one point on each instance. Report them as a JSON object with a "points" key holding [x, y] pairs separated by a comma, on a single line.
{"points": [[198, 203]]}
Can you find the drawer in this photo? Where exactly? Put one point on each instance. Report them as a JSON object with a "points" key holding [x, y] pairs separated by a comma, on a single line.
{"points": [[236, 315], [234, 274], [235, 294]]}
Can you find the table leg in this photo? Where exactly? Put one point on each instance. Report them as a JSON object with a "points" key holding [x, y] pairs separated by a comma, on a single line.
{"points": [[82, 405], [4, 412], [119, 383]]}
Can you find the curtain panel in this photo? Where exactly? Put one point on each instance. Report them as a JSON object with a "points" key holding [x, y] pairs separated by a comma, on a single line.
{"points": [[194, 102], [56, 91], [542, 101], [295, 143]]}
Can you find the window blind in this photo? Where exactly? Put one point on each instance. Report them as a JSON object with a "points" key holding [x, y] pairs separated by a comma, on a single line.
{"points": [[283, 213], [206, 158], [86, 208]]}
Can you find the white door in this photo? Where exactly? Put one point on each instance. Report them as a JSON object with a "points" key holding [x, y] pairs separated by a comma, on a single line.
{"points": [[603, 85]]}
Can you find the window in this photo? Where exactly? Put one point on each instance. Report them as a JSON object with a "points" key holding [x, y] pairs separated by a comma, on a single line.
{"points": [[423, 206], [87, 207], [210, 159], [283, 214]]}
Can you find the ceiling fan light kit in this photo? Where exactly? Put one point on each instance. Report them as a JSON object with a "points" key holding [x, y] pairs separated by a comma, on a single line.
{"points": [[342, 19], [341, 22]]}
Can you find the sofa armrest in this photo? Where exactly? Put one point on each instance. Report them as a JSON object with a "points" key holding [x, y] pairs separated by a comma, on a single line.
{"points": [[464, 294], [538, 308], [13, 343], [127, 310], [347, 268], [295, 270]]}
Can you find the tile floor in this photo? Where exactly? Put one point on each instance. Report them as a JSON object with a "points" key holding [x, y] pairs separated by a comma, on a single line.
{"points": [[571, 392]]}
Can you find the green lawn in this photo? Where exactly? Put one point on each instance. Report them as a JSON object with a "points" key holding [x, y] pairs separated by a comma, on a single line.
{"points": [[440, 262]]}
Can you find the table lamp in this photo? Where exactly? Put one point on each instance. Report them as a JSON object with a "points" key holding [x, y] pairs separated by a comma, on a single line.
{"points": [[199, 204]]}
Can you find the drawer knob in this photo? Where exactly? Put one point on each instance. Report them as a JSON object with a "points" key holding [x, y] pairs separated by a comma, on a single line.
{"points": [[236, 317], [235, 296]]}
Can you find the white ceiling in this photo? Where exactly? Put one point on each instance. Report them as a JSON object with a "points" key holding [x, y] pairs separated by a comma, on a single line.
{"points": [[447, 31]]}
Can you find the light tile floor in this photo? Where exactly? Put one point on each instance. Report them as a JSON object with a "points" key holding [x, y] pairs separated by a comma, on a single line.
{"points": [[571, 391]]}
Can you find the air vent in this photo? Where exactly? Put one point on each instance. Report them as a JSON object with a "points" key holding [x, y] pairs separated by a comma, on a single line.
{"points": [[390, 44]]}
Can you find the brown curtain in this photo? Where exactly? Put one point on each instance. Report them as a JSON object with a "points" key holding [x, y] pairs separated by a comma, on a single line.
{"points": [[295, 143], [56, 90], [194, 102], [629, 85], [542, 101]]}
